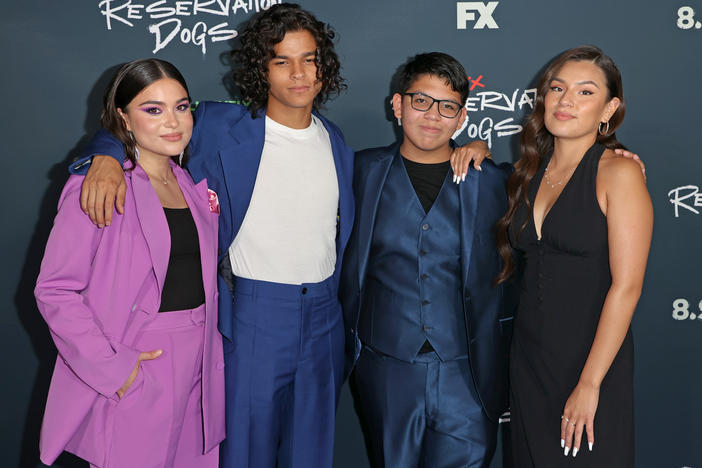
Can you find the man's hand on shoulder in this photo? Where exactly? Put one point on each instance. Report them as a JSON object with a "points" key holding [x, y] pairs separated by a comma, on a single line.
{"points": [[103, 188], [634, 156]]}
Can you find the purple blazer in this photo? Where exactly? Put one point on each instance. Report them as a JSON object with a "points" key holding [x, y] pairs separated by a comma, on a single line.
{"points": [[96, 290]]}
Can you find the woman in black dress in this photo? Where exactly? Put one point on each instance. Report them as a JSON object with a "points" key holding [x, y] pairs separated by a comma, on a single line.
{"points": [[581, 219]]}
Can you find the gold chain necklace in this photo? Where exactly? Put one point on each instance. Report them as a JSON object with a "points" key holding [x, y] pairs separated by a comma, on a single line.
{"points": [[560, 182]]}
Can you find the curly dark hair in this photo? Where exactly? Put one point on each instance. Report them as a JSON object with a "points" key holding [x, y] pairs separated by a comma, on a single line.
{"points": [[262, 33]]}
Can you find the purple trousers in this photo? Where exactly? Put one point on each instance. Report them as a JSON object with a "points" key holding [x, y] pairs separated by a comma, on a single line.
{"points": [[158, 422]]}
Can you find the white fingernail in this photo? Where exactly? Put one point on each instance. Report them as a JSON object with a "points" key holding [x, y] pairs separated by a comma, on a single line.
{"points": [[463, 178], [478, 168], [454, 178], [575, 451], [590, 444], [562, 443], [565, 452]]}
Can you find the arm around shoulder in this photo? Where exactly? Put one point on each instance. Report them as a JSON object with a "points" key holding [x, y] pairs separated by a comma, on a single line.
{"points": [[102, 143]]}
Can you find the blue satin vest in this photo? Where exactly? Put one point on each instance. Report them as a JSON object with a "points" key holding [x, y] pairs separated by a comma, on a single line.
{"points": [[413, 282]]}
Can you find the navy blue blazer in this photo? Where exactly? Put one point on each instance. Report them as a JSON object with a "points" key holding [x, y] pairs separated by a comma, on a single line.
{"points": [[488, 317], [225, 149]]}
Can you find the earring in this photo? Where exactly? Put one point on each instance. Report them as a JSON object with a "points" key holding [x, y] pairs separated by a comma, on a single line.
{"points": [[136, 153], [606, 130], [180, 158]]}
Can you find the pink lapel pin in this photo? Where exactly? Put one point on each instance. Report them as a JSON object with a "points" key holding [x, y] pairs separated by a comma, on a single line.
{"points": [[213, 200]]}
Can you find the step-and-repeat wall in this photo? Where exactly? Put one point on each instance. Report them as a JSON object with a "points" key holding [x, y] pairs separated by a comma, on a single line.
{"points": [[58, 56]]}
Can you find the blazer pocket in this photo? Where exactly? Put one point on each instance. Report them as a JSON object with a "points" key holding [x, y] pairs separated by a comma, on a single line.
{"points": [[134, 389]]}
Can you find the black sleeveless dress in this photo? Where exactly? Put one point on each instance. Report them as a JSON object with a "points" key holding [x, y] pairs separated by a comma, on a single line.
{"points": [[565, 280]]}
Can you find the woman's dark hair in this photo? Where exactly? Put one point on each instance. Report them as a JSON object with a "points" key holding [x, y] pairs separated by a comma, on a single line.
{"points": [[130, 80], [437, 64], [536, 142], [262, 33]]}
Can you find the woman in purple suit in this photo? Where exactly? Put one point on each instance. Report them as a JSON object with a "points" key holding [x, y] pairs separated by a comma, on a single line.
{"points": [[132, 308]]}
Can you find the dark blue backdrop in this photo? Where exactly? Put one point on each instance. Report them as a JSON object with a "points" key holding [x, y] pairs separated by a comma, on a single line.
{"points": [[57, 57]]}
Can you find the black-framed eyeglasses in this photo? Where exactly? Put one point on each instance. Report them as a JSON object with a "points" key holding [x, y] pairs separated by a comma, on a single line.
{"points": [[423, 102]]}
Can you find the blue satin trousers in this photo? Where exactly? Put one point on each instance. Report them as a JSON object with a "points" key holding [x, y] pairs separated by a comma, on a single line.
{"points": [[424, 413], [284, 371]]}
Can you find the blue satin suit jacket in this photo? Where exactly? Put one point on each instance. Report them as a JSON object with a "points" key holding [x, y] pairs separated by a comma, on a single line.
{"points": [[488, 311]]}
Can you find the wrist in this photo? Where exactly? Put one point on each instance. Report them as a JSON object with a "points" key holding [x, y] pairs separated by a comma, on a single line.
{"points": [[590, 383]]}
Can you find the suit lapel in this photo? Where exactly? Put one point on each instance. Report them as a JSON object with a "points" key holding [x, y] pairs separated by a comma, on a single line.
{"points": [[344, 173], [370, 189], [153, 224], [240, 162], [468, 199]]}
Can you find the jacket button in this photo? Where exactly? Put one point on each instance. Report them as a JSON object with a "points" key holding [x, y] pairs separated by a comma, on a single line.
{"points": [[425, 227], [304, 290]]}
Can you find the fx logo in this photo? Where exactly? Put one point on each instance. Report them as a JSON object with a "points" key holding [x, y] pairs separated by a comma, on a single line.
{"points": [[465, 12]]}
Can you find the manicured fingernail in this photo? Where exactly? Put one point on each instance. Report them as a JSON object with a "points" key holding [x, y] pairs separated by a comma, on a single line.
{"points": [[454, 178], [590, 444], [479, 168], [565, 452], [101, 225], [463, 178], [575, 451], [562, 443]]}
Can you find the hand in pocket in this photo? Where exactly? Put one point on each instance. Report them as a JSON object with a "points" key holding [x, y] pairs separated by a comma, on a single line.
{"points": [[147, 356]]}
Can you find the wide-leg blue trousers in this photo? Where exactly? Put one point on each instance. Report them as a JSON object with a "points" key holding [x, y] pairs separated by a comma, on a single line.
{"points": [[284, 371], [422, 414]]}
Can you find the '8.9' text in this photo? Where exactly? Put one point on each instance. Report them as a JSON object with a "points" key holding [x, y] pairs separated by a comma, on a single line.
{"points": [[681, 310], [686, 18]]}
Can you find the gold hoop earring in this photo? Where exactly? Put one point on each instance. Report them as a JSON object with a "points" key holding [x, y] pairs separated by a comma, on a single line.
{"points": [[606, 130]]}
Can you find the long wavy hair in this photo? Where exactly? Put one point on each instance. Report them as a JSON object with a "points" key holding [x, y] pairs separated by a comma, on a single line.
{"points": [[262, 33], [130, 80], [536, 142]]}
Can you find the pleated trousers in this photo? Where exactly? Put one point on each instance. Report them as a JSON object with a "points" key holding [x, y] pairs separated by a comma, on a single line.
{"points": [[158, 422], [424, 413], [283, 372]]}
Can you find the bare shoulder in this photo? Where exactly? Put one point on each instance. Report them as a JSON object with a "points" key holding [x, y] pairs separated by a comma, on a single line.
{"points": [[617, 170]]}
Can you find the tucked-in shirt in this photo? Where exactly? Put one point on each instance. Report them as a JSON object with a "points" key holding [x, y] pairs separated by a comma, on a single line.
{"points": [[183, 287], [289, 231]]}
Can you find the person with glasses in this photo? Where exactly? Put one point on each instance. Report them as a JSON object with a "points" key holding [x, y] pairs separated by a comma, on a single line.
{"points": [[427, 334]]}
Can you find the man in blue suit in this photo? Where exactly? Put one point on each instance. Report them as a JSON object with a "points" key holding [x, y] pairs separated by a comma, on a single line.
{"points": [[426, 330], [283, 176]]}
